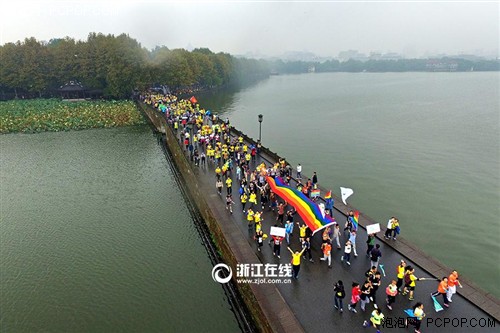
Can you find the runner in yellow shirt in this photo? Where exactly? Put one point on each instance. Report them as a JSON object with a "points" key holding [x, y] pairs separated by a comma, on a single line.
{"points": [[375, 320], [250, 221], [296, 256], [218, 172], [410, 282], [253, 199], [243, 199], [257, 217], [229, 185]]}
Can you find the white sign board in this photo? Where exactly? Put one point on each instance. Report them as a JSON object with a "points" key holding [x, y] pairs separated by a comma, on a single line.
{"points": [[373, 228], [276, 231]]}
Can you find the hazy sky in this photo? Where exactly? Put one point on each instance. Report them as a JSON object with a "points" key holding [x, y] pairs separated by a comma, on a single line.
{"points": [[267, 27]]}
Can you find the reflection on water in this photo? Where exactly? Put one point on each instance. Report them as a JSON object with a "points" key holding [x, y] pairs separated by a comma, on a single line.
{"points": [[95, 237]]}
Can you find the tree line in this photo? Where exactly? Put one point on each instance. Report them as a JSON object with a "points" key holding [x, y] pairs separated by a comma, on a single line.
{"points": [[400, 65], [117, 65]]}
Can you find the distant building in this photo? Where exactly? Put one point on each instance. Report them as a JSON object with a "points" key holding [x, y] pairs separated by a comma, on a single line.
{"points": [[441, 65], [391, 56], [385, 56], [74, 91], [352, 54], [299, 56]]}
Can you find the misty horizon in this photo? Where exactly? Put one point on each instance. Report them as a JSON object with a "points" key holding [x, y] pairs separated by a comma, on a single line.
{"points": [[270, 29]]}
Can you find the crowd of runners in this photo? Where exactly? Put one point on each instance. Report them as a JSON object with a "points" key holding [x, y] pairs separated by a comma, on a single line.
{"points": [[209, 143]]}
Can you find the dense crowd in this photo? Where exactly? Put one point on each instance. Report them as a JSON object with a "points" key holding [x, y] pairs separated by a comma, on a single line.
{"points": [[209, 143]]}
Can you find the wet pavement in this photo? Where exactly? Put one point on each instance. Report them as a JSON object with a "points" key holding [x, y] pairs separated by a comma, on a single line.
{"points": [[311, 296]]}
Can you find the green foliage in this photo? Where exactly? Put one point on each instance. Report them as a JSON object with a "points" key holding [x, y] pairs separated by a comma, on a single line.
{"points": [[249, 70], [117, 65], [40, 115]]}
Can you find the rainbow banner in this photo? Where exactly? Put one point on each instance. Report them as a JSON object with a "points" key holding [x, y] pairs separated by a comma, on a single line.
{"points": [[308, 210], [355, 221], [328, 195], [315, 193]]}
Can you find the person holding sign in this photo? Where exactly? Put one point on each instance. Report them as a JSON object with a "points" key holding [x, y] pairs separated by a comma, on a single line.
{"points": [[277, 245]]}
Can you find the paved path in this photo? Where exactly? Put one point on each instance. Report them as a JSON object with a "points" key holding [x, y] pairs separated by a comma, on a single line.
{"points": [[311, 296]]}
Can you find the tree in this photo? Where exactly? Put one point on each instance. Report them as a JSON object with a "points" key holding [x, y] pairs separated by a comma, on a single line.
{"points": [[11, 62]]}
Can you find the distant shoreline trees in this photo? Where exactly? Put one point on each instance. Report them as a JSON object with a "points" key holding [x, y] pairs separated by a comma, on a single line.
{"points": [[118, 65], [379, 66]]}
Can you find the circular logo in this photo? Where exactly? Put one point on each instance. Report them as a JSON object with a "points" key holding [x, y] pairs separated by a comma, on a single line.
{"points": [[216, 271]]}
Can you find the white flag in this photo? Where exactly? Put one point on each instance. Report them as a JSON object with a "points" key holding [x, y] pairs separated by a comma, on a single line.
{"points": [[322, 208], [345, 193]]}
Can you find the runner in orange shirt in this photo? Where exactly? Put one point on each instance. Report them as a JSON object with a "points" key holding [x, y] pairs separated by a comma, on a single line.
{"points": [[442, 289], [327, 253], [452, 285]]}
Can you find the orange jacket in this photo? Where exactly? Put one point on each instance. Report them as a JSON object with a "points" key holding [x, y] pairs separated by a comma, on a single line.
{"points": [[452, 280], [443, 285], [326, 249]]}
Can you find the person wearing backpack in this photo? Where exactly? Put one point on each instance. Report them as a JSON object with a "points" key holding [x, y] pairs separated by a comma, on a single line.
{"points": [[410, 282], [396, 229], [406, 279], [339, 295]]}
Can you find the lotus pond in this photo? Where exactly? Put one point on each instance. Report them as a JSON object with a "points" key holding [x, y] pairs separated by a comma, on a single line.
{"points": [[40, 115]]}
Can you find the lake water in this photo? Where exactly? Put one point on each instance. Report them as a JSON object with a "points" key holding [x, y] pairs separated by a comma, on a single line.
{"points": [[95, 237], [420, 146]]}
